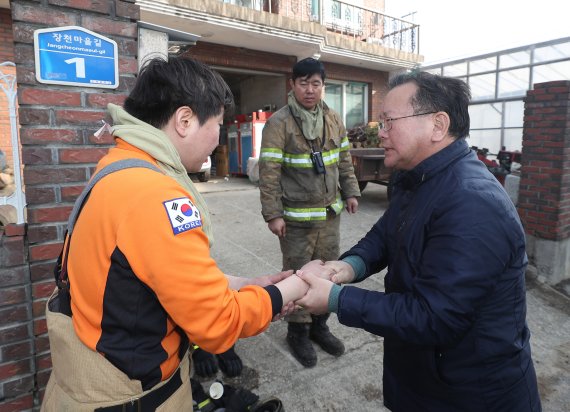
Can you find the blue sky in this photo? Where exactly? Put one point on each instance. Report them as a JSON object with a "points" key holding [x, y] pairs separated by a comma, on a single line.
{"points": [[451, 29]]}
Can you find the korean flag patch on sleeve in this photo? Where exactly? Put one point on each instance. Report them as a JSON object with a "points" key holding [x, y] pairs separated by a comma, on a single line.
{"points": [[183, 215]]}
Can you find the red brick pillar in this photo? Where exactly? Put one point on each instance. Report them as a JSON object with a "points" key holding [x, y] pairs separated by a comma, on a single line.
{"points": [[544, 193], [59, 152], [16, 342]]}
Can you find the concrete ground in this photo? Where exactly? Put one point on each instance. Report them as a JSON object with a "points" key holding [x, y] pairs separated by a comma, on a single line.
{"points": [[245, 247]]}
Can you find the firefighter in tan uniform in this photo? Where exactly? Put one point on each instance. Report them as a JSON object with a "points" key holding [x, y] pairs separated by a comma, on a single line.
{"points": [[305, 177]]}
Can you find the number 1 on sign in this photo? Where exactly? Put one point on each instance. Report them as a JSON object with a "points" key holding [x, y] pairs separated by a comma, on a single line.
{"points": [[79, 66]]}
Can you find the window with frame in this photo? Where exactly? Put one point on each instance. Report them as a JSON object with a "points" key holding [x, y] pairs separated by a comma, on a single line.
{"points": [[349, 99]]}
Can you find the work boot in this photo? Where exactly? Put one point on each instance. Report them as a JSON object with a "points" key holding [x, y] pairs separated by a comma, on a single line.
{"points": [[320, 333], [300, 344]]}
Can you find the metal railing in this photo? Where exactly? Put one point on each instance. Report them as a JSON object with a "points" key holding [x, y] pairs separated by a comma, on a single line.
{"points": [[361, 23], [251, 4], [16, 199]]}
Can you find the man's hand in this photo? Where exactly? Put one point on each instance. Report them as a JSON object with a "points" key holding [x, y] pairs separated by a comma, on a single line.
{"points": [[271, 279], [318, 268], [316, 300], [238, 282], [343, 271], [287, 309], [267, 280], [351, 204], [277, 226]]}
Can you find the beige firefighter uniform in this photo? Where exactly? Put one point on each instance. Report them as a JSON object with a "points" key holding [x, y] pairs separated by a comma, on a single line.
{"points": [[309, 202], [71, 389]]}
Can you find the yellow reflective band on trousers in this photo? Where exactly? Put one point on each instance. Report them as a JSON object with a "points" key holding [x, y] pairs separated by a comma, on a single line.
{"points": [[305, 214], [311, 214]]}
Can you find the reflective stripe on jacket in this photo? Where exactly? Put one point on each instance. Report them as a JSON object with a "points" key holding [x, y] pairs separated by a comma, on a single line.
{"points": [[330, 157], [311, 213], [289, 186]]}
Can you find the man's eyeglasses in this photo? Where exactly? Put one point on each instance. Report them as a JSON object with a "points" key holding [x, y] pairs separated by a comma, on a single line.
{"points": [[386, 124]]}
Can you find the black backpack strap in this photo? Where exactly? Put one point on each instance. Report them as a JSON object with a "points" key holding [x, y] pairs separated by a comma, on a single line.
{"points": [[107, 170], [60, 270]]}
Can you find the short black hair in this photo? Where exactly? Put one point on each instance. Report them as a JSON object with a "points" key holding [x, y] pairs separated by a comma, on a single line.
{"points": [[439, 94], [307, 68], [164, 86]]}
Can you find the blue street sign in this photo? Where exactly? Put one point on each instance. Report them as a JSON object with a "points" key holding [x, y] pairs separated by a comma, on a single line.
{"points": [[75, 56]]}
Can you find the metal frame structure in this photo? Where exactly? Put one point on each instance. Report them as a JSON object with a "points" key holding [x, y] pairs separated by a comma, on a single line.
{"points": [[16, 199], [499, 82]]}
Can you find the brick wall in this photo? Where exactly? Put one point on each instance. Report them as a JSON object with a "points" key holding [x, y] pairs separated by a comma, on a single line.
{"points": [[17, 363], [544, 192], [297, 9], [241, 57], [59, 153], [6, 55], [376, 5], [6, 45]]}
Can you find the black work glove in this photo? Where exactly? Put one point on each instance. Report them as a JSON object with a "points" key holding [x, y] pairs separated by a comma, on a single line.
{"points": [[204, 363], [198, 393], [230, 363], [240, 400]]}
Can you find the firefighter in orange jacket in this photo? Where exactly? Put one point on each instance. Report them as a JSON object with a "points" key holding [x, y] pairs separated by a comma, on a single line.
{"points": [[142, 281]]}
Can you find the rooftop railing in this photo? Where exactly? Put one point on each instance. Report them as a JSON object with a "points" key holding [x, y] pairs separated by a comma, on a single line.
{"points": [[361, 23]]}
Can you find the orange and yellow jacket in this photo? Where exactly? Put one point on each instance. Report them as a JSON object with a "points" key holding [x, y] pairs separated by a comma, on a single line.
{"points": [[142, 280]]}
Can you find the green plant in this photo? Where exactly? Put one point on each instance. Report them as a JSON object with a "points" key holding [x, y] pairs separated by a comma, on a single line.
{"points": [[371, 134]]}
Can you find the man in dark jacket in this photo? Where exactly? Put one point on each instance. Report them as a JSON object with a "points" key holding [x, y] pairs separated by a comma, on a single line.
{"points": [[453, 313]]}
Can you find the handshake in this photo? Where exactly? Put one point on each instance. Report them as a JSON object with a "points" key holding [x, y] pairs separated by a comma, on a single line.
{"points": [[310, 287], [336, 271]]}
